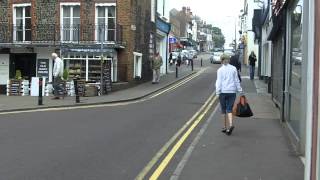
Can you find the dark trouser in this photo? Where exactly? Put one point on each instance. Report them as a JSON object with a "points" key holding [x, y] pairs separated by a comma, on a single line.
{"points": [[226, 101], [252, 69], [56, 86]]}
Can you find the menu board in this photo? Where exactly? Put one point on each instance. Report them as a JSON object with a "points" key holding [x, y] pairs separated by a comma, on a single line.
{"points": [[107, 82], [43, 68], [81, 88], [14, 88]]}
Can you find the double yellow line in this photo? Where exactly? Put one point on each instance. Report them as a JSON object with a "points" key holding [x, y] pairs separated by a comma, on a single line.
{"points": [[187, 129]]}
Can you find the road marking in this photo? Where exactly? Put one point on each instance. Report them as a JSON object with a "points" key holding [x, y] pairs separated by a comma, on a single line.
{"points": [[170, 88], [177, 146], [161, 152], [176, 174]]}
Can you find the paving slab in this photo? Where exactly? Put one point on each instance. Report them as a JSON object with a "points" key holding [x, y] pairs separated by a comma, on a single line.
{"points": [[257, 150]]}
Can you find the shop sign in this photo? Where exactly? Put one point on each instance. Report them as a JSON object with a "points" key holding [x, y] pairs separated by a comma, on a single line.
{"points": [[43, 68], [172, 40], [88, 50], [277, 6], [163, 26]]}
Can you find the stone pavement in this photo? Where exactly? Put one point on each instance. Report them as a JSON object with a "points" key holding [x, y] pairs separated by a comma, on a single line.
{"points": [[258, 149], [14, 103]]}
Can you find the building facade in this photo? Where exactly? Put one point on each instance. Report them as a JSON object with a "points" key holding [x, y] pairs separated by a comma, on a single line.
{"points": [[81, 32], [247, 29], [138, 19], [163, 31]]}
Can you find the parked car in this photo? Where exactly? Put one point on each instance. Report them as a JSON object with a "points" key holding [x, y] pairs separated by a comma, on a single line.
{"points": [[229, 52], [215, 57]]}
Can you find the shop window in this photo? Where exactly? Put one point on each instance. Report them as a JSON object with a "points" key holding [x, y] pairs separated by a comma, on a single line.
{"points": [[105, 22], [296, 46], [87, 67], [22, 22], [295, 67], [70, 22]]}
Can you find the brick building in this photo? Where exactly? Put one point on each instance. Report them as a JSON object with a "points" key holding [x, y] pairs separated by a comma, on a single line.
{"points": [[137, 17], [81, 32]]}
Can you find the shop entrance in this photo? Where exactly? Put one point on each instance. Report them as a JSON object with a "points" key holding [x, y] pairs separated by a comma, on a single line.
{"points": [[26, 63]]}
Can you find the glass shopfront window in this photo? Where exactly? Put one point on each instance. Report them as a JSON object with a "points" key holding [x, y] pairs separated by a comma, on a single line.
{"points": [[296, 46], [295, 67], [87, 67]]}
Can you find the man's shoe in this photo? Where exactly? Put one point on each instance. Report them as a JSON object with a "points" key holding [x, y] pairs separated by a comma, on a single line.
{"points": [[55, 98]]}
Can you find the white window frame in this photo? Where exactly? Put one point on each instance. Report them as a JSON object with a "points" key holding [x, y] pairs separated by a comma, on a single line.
{"points": [[87, 58], [23, 5], [153, 10], [71, 20], [106, 5], [137, 60]]}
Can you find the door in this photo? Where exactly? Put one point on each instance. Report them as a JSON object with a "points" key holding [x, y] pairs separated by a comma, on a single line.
{"points": [[25, 63]]}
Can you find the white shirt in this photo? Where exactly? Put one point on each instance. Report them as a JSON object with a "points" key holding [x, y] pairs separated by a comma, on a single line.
{"points": [[227, 80], [58, 67]]}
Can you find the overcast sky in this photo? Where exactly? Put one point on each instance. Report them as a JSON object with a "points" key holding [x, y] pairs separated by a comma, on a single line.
{"points": [[220, 13]]}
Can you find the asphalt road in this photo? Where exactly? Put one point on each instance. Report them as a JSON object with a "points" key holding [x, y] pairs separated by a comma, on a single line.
{"points": [[97, 143]]}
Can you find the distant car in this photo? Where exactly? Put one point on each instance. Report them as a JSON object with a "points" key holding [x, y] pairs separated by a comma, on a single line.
{"points": [[193, 53], [215, 57], [229, 52], [296, 57], [185, 55], [175, 56]]}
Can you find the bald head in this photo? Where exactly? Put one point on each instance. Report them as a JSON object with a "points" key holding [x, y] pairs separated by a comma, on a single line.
{"points": [[54, 55]]}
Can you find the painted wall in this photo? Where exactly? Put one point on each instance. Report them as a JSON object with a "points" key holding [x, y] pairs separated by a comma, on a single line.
{"points": [[4, 68]]}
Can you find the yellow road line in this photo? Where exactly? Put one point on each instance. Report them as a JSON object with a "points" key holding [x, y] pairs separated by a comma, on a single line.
{"points": [[177, 85], [177, 146], [160, 153], [173, 87]]}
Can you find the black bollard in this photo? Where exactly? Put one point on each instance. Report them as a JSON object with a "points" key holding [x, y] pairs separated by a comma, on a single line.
{"points": [[40, 98], [177, 74], [201, 62], [191, 65], [76, 91]]}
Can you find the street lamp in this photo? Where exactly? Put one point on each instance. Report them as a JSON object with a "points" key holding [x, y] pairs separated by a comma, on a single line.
{"points": [[235, 31]]}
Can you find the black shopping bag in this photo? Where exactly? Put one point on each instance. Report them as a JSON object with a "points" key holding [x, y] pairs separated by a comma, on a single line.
{"points": [[242, 108]]}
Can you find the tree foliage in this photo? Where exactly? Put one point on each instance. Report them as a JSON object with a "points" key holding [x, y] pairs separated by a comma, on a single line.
{"points": [[217, 36]]}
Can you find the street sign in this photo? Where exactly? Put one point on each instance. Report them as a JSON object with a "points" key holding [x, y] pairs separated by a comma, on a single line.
{"points": [[172, 40]]}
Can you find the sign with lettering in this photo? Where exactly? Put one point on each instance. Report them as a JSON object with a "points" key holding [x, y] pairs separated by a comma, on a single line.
{"points": [[277, 6], [107, 82], [43, 68]]}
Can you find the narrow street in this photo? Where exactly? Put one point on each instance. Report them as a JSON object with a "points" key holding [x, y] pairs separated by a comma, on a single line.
{"points": [[97, 143]]}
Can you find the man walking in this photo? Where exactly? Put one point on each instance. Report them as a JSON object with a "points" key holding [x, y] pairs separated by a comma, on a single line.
{"points": [[252, 62], [234, 61], [57, 75], [156, 65]]}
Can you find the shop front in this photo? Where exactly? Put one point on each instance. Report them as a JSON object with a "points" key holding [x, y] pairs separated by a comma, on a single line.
{"points": [[295, 62], [85, 63], [162, 42], [291, 67], [23, 64]]}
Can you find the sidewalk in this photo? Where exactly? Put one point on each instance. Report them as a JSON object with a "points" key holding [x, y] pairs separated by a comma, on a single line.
{"points": [[258, 149], [14, 103]]}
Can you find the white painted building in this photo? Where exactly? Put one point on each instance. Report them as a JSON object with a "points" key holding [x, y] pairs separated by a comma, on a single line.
{"points": [[249, 7], [162, 38]]}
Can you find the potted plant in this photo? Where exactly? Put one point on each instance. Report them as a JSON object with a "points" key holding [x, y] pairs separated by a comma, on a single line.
{"points": [[18, 75]]}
